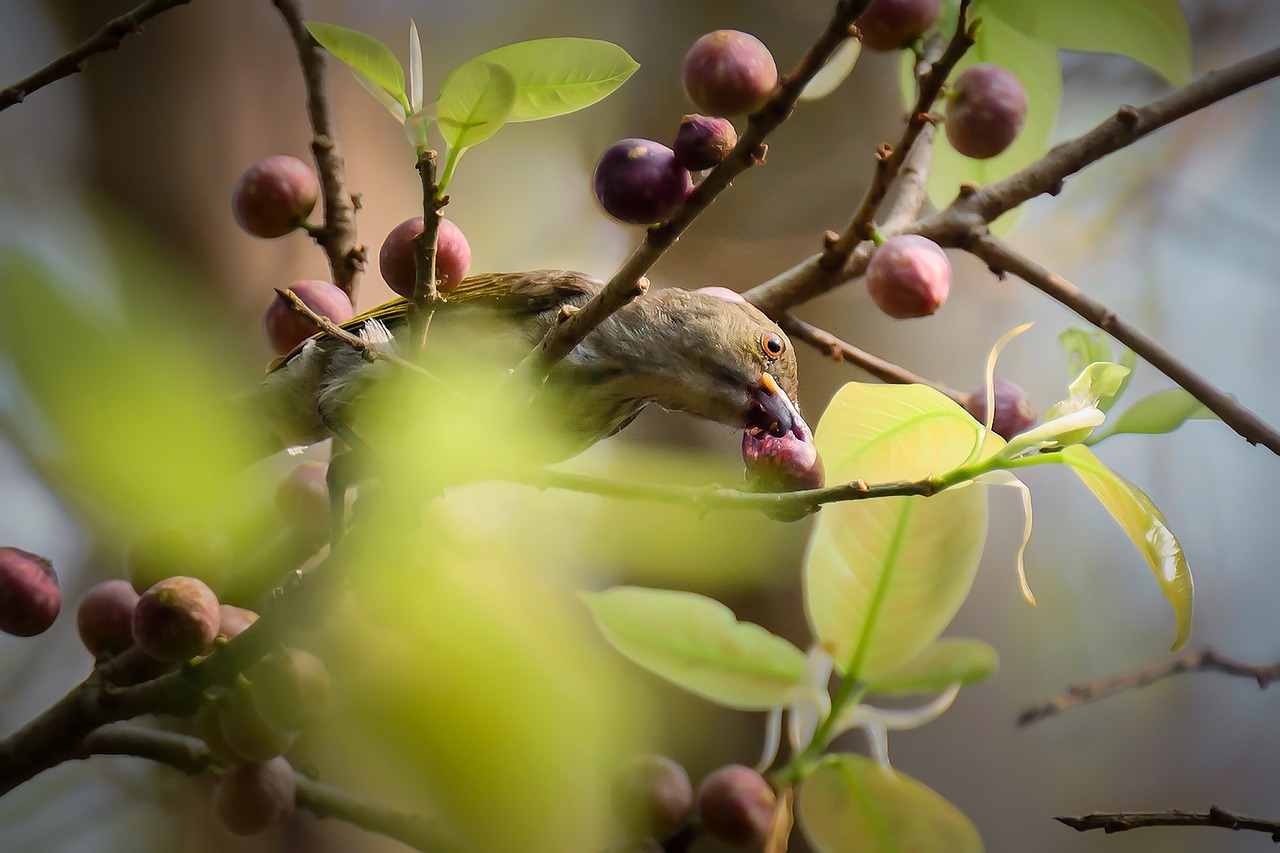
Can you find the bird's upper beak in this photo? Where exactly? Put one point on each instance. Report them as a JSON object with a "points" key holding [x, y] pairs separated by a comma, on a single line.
{"points": [[773, 411]]}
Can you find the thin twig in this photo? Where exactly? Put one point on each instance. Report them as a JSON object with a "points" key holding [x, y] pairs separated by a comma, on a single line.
{"points": [[885, 371], [425, 290], [1002, 258], [1124, 821], [628, 282], [338, 234], [1205, 661], [72, 62]]}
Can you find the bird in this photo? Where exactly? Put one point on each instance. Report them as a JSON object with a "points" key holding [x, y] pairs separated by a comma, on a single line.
{"points": [[716, 358]]}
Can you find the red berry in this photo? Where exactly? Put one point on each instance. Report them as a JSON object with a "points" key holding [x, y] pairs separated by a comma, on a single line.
{"points": [[274, 196], [652, 795], [105, 618], [302, 499], [287, 328], [736, 805], [252, 798], [987, 108], [703, 142], [29, 595], [782, 463], [639, 181], [728, 73], [895, 24], [398, 258], [909, 276], [1014, 412], [176, 619]]}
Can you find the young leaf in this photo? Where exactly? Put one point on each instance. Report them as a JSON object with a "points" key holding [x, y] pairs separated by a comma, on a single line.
{"points": [[363, 54], [883, 578], [696, 642], [1098, 380], [1153, 32], [556, 76], [852, 803], [831, 75], [948, 661], [1145, 525], [1083, 347], [475, 100], [1163, 411]]}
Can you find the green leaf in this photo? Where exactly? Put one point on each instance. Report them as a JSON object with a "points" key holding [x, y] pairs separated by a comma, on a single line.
{"points": [[884, 577], [696, 643], [835, 72], [556, 76], [1098, 380], [948, 661], [1146, 527], [475, 101], [1153, 32], [1083, 347], [1163, 411], [1036, 64], [851, 803], [364, 55]]}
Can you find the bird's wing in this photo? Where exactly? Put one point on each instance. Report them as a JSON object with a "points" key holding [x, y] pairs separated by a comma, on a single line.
{"points": [[517, 292]]}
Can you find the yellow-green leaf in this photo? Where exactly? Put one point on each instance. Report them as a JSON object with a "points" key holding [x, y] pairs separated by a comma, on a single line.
{"points": [[696, 642], [556, 76], [884, 577], [948, 661], [1142, 520], [835, 72], [364, 55], [1163, 411], [853, 805], [475, 101]]}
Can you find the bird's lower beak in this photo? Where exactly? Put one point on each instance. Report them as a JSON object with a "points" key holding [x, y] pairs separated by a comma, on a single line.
{"points": [[773, 411]]}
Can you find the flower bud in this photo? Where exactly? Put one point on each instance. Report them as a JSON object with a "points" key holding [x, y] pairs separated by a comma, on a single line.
{"points": [[703, 142]]}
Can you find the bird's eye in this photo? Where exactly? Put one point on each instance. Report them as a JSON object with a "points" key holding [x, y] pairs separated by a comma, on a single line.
{"points": [[772, 344]]}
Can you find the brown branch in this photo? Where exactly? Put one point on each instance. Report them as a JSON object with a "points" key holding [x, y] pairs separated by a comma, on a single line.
{"points": [[1205, 661], [73, 62], [337, 236], [1124, 821], [422, 305], [885, 371], [1002, 258], [912, 184], [628, 282]]}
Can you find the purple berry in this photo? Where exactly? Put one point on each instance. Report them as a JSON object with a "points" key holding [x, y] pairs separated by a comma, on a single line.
{"points": [[652, 795], [252, 798], [704, 141], [246, 733], [274, 196], [188, 550], [728, 73], [232, 620], [736, 805], [302, 499], [287, 328], [105, 618], [290, 688], [639, 181], [398, 262], [987, 107], [909, 276], [782, 464], [1014, 412], [895, 24], [176, 619], [29, 595]]}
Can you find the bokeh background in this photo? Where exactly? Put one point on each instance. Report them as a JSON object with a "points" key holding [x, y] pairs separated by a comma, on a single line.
{"points": [[1177, 234]]}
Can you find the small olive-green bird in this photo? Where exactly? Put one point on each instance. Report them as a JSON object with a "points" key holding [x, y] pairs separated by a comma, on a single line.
{"points": [[686, 351]]}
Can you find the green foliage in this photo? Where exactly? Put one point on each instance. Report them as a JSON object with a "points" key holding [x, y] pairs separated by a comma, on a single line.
{"points": [[697, 643], [1083, 347], [364, 55], [835, 72], [475, 101], [852, 803], [1098, 381], [556, 76], [1163, 411], [948, 661]]}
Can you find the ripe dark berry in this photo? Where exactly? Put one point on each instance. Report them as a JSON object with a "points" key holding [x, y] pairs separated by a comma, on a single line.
{"points": [[895, 24], [398, 263], [736, 804], [232, 620], [639, 181], [728, 73], [987, 107], [105, 618], [290, 688], [703, 142], [246, 733], [1014, 412], [252, 798], [176, 619], [287, 328], [302, 499], [652, 795], [909, 276], [188, 550], [29, 595], [274, 196]]}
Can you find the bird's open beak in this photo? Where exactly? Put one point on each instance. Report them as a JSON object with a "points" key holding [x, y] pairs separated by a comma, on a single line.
{"points": [[773, 411]]}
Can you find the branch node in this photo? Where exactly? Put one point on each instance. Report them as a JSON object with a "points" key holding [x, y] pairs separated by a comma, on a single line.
{"points": [[1128, 115]]}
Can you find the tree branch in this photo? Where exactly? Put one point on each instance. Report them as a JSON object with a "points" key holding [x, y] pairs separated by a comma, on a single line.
{"points": [[338, 234], [1205, 661], [1124, 821], [1001, 258], [425, 291], [73, 62]]}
